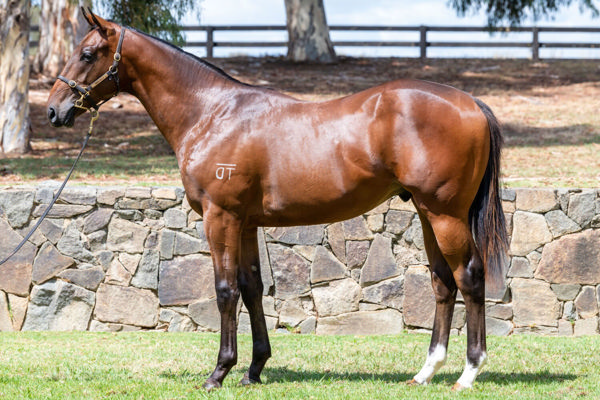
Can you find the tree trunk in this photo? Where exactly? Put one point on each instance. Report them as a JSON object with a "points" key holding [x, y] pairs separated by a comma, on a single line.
{"points": [[308, 32], [61, 27], [14, 76]]}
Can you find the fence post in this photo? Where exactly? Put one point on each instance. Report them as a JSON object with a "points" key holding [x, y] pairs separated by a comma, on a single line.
{"points": [[423, 42], [535, 44], [209, 41]]}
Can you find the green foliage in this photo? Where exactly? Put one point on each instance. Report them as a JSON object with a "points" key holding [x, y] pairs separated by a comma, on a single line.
{"points": [[161, 18], [514, 12]]}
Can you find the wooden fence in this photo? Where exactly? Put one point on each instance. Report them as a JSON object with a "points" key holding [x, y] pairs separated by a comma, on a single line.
{"points": [[423, 43]]}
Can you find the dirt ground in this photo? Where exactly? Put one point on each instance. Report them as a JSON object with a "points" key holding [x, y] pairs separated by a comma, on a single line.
{"points": [[549, 111]]}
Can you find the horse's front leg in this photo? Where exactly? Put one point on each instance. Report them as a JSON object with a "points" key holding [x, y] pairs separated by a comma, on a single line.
{"points": [[223, 234], [251, 286]]}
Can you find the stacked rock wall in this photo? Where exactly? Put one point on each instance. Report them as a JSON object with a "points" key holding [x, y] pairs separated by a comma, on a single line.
{"points": [[111, 259]]}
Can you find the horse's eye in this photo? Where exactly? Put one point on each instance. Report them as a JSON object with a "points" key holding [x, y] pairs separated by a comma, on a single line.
{"points": [[87, 57]]}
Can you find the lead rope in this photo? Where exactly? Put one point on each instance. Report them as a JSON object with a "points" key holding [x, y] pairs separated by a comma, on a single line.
{"points": [[95, 116]]}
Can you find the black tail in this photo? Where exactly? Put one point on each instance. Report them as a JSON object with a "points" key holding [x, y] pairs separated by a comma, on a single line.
{"points": [[485, 215]]}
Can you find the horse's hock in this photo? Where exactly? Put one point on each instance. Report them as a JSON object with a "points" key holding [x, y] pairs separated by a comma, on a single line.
{"points": [[112, 259]]}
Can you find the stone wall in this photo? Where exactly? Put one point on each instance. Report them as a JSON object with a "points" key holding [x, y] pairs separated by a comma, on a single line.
{"points": [[111, 259]]}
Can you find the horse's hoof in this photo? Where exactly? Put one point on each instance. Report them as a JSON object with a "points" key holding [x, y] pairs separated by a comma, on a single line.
{"points": [[246, 381], [458, 387], [211, 385], [412, 382]]}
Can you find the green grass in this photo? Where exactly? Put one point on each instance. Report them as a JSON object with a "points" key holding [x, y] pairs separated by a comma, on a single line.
{"points": [[174, 366]]}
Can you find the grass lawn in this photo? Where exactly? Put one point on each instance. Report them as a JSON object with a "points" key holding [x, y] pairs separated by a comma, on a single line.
{"points": [[174, 366]]}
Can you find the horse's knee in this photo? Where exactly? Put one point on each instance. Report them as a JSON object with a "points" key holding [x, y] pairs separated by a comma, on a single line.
{"points": [[471, 280], [444, 287], [227, 294]]}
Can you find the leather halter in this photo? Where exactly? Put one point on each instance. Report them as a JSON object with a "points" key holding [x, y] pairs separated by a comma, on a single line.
{"points": [[112, 75]]}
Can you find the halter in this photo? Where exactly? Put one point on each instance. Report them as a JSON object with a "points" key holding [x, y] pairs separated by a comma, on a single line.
{"points": [[112, 75]]}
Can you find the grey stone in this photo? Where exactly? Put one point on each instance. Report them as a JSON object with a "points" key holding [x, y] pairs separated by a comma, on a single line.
{"points": [[181, 323], [72, 244], [45, 194], [572, 259], [48, 263], [336, 240], [167, 193], [126, 305], [560, 224], [520, 268], [337, 298], [117, 274], [536, 200], [382, 322], [16, 206], [380, 263], [184, 280], [357, 229], [326, 267], [138, 192], [565, 291], [97, 220], [291, 313], [104, 258], [205, 314], [15, 273], [109, 196], [167, 244], [581, 207], [146, 276], [126, 236], [88, 278], [97, 240], [498, 327], [534, 303], [414, 234], [389, 293], [586, 302], [308, 326], [175, 218], [186, 244], [586, 327], [508, 194], [5, 319], [530, 231], [499, 311], [52, 230], [398, 204], [18, 309], [419, 301], [569, 311], [397, 222], [79, 195], [130, 215], [265, 264], [291, 273], [375, 222], [62, 210], [565, 328], [303, 235], [59, 306], [459, 316], [356, 253]]}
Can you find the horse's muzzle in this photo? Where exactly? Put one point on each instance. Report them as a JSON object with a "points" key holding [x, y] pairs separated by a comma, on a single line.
{"points": [[68, 119]]}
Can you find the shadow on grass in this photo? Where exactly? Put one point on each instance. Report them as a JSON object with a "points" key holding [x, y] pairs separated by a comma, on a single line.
{"points": [[286, 375]]}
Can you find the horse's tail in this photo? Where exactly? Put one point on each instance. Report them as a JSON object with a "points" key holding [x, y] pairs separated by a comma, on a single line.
{"points": [[485, 215]]}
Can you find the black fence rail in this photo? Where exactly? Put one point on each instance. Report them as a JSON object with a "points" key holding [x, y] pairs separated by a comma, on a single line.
{"points": [[423, 43]]}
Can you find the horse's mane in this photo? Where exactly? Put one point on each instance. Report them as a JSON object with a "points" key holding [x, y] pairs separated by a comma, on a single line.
{"points": [[197, 59]]}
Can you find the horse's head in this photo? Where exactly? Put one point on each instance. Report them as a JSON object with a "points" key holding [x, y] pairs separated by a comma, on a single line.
{"points": [[91, 76]]}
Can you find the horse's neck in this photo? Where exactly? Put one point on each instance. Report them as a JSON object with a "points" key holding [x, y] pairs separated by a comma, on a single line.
{"points": [[176, 90]]}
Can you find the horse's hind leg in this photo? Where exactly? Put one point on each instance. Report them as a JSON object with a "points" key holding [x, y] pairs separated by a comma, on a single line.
{"points": [[251, 287], [456, 243], [444, 289]]}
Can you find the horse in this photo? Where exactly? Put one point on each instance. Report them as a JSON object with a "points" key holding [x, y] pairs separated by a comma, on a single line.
{"points": [[251, 156]]}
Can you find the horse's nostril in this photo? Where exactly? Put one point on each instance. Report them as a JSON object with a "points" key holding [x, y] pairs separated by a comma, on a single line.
{"points": [[52, 115]]}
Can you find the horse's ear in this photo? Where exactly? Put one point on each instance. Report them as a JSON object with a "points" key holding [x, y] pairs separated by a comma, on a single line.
{"points": [[99, 22], [87, 15]]}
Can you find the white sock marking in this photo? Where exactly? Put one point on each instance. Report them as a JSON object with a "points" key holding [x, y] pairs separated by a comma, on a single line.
{"points": [[471, 371], [435, 361]]}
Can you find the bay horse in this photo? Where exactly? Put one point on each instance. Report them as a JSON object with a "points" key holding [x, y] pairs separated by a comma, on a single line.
{"points": [[251, 156]]}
